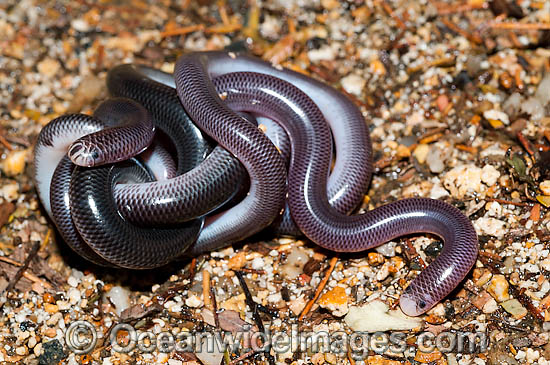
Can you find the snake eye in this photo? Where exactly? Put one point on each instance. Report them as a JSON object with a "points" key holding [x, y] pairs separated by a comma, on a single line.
{"points": [[95, 155], [421, 304]]}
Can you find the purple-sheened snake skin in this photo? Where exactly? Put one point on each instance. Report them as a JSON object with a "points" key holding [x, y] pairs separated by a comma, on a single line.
{"points": [[307, 178], [264, 164], [83, 197], [318, 203], [201, 186], [177, 200], [97, 148], [98, 221]]}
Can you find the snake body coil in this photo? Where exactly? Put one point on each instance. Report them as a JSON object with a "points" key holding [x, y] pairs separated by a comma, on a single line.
{"points": [[319, 201]]}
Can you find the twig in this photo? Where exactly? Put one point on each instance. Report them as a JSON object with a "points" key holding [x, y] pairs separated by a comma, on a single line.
{"points": [[10, 261], [319, 289], [26, 275], [223, 12], [5, 143], [46, 239], [391, 13], [526, 143], [182, 30], [502, 201], [447, 10], [519, 26], [252, 271], [519, 81], [214, 307], [242, 357], [25, 265], [249, 301], [206, 289], [475, 38], [466, 148], [192, 269], [255, 314]]}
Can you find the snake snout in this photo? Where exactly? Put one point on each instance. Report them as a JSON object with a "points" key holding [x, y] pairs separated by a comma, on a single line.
{"points": [[83, 155], [414, 303]]}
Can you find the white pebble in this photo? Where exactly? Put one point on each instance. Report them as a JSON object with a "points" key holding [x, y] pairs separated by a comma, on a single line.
{"points": [[258, 263], [193, 301], [496, 115], [80, 25], [376, 316], [543, 90], [74, 295], [120, 297], [489, 175], [463, 180], [532, 355], [32, 342], [387, 249], [435, 160], [490, 226], [533, 107], [72, 281], [325, 53], [353, 84]]}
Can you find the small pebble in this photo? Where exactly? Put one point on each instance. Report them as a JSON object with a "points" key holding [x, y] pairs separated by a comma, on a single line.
{"points": [[489, 175], [330, 358], [463, 180], [80, 25], [258, 263], [353, 84], [14, 164], [533, 107], [421, 152], [490, 226], [543, 90], [74, 296], [490, 306], [297, 305], [10, 191], [120, 297], [387, 249], [545, 187], [376, 316], [237, 261], [498, 288], [514, 307], [48, 67], [442, 102], [325, 53], [50, 308], [335, 300], [193, 301], [72, 281], [494, 114], [435, 160]]}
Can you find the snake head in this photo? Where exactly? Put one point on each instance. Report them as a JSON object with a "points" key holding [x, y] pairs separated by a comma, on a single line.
{"points": [[414, 303], [83, 154]]}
